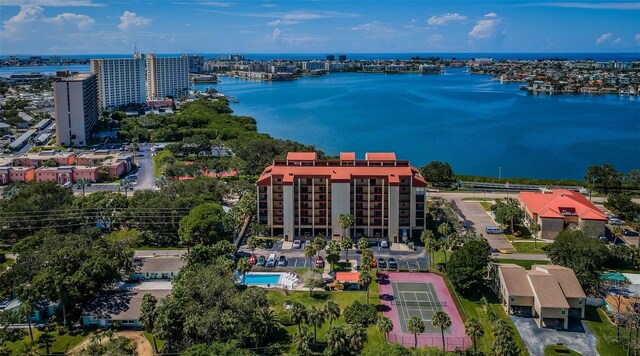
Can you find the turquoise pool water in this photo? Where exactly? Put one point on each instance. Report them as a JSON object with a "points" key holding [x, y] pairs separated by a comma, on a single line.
{"points": [[261, 279]]}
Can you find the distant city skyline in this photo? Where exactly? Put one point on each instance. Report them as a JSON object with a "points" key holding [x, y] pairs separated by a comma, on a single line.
{"points": [[69, 27]]}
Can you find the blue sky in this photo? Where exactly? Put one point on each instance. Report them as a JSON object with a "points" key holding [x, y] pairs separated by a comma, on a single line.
{"points": [[183, 26]]}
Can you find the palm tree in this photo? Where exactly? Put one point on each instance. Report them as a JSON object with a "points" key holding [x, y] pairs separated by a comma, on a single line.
{"points": [[125, 185], [616, 231], [441, 320], [243, 266], [268, 323], [503, 344], [357, 336], [315, 317], [474, 330], [363, 243], [433, 245], [298, 314], [83, 183], [253, 242], [337, 341], [309, 252], [534, 228], [345, 221], [46, 339], [415, 326], [426, 236], [332, 311], [346, 243], [319, 243], [385, 326], [162, 182], [365, 280], [444, 229], [27, 309], [148, 316], [302, 342], [453, 240]]}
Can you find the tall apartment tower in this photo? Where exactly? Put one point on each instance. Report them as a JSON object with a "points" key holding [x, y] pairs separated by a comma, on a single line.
{"points": [[76, 107], [196, 63], [304, 196], [121, 81], [167, 76]]}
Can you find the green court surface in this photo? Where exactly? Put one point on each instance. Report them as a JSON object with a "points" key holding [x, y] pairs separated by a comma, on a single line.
{"points": [[417, 299]]}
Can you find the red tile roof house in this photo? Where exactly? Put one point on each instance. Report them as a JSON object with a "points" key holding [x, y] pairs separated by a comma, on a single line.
{"points": [[561, 209]]}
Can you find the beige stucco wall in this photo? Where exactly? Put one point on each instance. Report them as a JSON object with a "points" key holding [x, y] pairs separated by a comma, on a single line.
{"points": [[340, 204], [593, 228], [575, 303]]}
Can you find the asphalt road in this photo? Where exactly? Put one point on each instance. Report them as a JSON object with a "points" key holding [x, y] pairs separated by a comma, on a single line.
{"points": [[474, 216]]}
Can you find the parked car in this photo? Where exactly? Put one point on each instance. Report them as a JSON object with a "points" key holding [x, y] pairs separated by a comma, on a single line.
{"points": [[271, 261], [493, 230], [261, 261], [382, 263], [629, 232], [68, 185], [374, 263], [615, 221], [319, 262], [253, 260], [393, 263], [268, 244], [384, 244], [297, 244], [282, 261]]}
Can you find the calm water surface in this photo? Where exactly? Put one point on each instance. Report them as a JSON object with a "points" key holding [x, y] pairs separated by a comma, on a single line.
{"points": [[474, 123]]}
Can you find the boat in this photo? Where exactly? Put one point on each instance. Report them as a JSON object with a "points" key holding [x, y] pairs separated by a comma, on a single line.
{"points": [[236, 101], [523, 87]]}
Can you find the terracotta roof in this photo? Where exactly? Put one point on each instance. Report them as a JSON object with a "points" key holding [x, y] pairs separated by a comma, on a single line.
{"points": [[347, 276], [515, 280], [380, 156], [566, 278], [559, 203], [347, 156], [547, 290], [301, 156], [339, 174]]}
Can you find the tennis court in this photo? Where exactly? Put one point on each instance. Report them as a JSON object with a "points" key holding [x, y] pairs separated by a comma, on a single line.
{"points": [[417, 299], [404, 295]]}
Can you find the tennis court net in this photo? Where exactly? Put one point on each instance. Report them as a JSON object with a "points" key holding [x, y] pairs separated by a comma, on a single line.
{"points": [[418, 303]]}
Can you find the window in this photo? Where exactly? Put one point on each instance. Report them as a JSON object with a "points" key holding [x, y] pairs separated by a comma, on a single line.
{"points": [[580, 301], [512, 299], [563, 311]]}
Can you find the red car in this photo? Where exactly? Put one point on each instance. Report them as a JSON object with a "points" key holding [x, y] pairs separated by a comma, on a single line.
{"points": [[319, 262], [253, 260], [374, 263]]}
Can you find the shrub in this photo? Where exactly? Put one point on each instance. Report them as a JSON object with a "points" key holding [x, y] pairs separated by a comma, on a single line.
{"points": [[62, 330], [358, 313]]}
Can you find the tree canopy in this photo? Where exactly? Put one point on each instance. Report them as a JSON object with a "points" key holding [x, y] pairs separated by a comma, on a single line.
{"points": [[467, 267], [437, 173]]}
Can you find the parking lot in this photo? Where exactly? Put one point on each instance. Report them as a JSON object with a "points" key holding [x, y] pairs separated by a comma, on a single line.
{"points": [[411, 261]]}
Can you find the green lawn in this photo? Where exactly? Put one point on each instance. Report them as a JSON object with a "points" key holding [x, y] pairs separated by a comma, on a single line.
{"points": [[605, 331], [319, 298], [159, 342], [62, 343], [524, 263], [528, 247], [553, 350], [6, 264], [486, 205], [474, 309]]}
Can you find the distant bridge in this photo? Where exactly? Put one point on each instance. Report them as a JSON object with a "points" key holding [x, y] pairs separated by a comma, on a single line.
{"points": [[517, 187]]}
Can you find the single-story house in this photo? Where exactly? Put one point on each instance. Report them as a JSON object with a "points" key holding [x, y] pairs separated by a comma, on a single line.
{"points": [[122, 304], [558, 210], [158, 267], [42, 310], [550, 293]]}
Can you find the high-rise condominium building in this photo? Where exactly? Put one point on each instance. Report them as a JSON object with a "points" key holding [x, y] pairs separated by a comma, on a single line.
{"points": [[76, 107], [167, 76], [304, 196], [121, 81], [196, 63]]}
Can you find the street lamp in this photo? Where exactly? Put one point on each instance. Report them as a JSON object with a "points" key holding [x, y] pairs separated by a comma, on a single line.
{"points": [[499, 173]]}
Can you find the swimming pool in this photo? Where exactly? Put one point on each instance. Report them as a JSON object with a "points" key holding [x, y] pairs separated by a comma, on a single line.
{"points": [[261, 279]]}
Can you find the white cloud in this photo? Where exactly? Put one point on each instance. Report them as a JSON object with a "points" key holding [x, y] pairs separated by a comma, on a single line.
{"points": [[268, 5], [617, 41], [82, 21], [29, 13], [436, 39], [282, 22], [485, 28], [276, 34], [52, 3], [443, 19], [604, 38], [130, 19], [375, 29], [216, 3], [637, 37]]}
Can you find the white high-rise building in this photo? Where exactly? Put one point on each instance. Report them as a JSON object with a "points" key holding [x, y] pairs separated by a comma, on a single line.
{"points": [[76, 107], [167, 76], [121, 81]]}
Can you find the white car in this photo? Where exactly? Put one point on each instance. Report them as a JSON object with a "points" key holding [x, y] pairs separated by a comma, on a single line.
{"points": [[297, 244], [615, 221], [384, 244]]}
